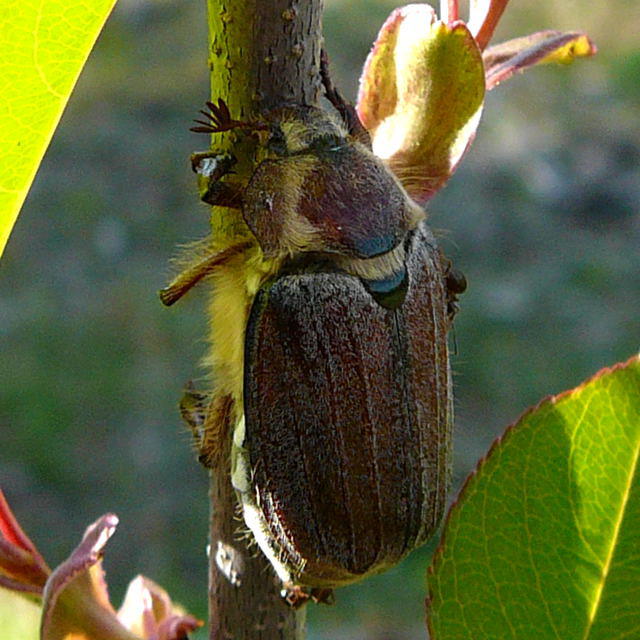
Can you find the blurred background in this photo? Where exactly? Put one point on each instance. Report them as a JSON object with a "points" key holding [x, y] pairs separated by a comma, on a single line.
{"points": [[542, 217]]}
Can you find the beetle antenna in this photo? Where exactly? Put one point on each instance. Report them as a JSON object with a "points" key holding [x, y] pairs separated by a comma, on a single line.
{"points": [[346, 110], [219, 119]]}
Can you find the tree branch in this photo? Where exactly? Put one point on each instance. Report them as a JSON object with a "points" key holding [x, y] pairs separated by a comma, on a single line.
{"points": [[262, 53]]}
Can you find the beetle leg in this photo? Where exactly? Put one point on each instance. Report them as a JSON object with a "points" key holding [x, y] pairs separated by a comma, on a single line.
{"points": [[186, 280], [297, 596], [456, 284], [193, 407], [216, 429], [346, 110], [294, 595], [323, 596], [211, 167], [209, 420], [223, 194]]}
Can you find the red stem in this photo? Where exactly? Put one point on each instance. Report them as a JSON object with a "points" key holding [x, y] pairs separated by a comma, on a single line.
{"points": [[488, 26], [449, 11]]}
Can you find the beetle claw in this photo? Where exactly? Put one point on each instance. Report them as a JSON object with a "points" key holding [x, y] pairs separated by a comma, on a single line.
{"points": [[297, 596]]}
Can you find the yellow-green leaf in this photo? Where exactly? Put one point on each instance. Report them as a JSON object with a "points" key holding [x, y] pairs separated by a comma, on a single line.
{"points": [[544, 540], [43, 47], [19, 616], [421, 96], [378, 95]]}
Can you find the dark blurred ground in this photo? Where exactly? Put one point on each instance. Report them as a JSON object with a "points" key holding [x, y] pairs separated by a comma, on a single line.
{"points": [[542, 217]]}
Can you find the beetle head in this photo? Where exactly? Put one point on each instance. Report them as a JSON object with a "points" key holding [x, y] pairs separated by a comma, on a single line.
{"points": [[320, 190]]}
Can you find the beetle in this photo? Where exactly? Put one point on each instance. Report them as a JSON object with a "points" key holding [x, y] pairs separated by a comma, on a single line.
{"points": [[341, 433]]}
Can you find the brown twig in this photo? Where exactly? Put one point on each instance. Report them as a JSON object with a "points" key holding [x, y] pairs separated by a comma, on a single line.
{"points": [[262, 55]]}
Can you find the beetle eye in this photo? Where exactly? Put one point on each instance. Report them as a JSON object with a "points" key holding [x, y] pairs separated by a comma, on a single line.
{"points": [[277, 142], [328, 142]]}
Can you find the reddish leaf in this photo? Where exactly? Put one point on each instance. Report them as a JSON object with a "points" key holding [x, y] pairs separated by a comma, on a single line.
{"points": [[503, 60], [148, 611], [9, 527], [76, 601], [22, 568]]}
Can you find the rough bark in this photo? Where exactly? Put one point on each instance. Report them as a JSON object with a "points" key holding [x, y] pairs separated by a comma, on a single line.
{"points": [[262, 53]]}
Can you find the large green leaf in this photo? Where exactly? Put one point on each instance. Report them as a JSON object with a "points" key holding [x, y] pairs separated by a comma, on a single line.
{"points": [[43, 47], [19, 617], [544, 540]]}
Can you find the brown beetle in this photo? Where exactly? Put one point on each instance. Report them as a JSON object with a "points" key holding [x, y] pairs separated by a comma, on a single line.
{"points": [[342, 457], [344, 464]]}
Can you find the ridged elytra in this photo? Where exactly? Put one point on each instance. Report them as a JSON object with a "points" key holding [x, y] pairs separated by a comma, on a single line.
{"points": [[348, 418]]}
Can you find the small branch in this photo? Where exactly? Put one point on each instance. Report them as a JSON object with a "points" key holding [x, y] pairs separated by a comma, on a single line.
{"points": [[252, 609], [483, 19], [263, 53], [449, 11]]}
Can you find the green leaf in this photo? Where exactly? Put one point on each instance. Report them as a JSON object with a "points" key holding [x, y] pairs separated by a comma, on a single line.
{"points": [[19, 616], [544, 540], [43, 47]]}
